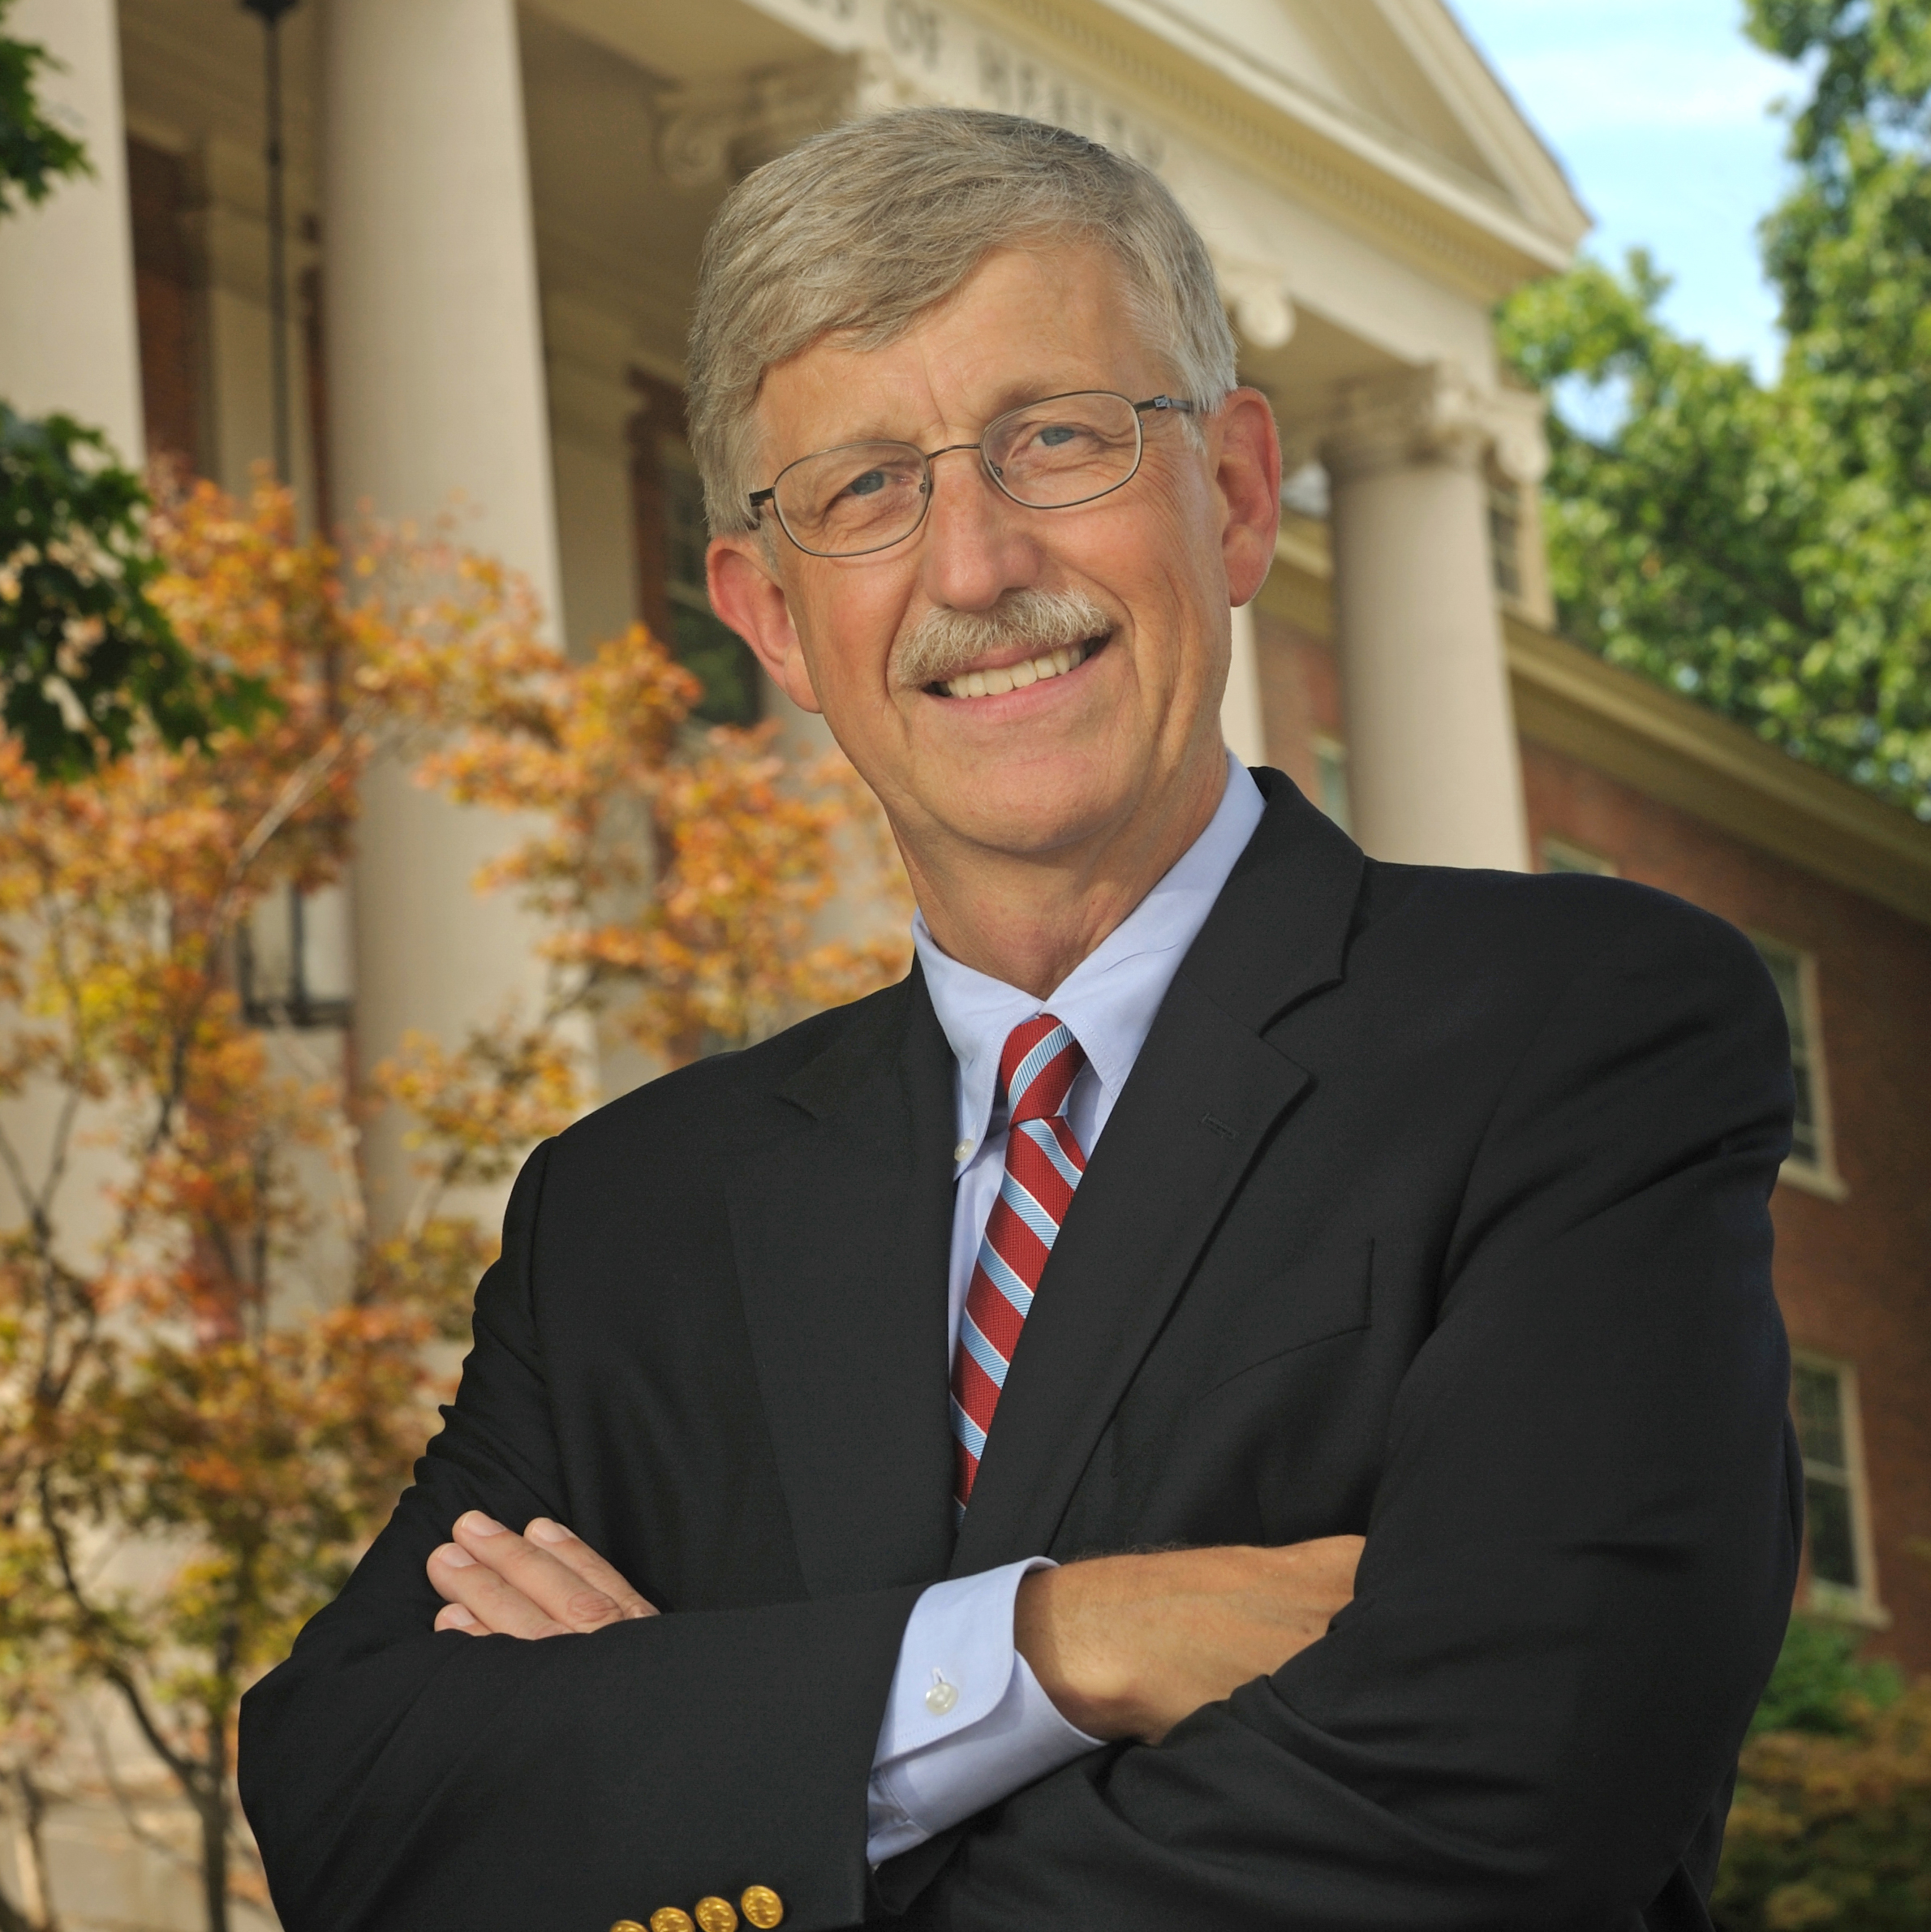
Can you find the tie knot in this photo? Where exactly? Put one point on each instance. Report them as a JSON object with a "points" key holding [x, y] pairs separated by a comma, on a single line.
{"points": [[1041, 1061]]}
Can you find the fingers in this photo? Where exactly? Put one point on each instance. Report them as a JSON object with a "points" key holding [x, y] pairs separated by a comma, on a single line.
{"points": [[575, 1555], [495, 1607], [547, 1582]]}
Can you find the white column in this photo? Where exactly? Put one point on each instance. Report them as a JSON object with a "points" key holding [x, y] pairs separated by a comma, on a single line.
{"points": [[1241, 723], [68, 340], [436, 390], [1433, 768]]}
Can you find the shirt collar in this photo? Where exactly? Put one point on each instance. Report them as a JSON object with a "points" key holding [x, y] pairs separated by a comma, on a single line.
{"points": [[1110, 998]]}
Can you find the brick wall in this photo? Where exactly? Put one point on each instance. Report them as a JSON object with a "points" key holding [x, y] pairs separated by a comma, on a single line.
{"points": [[1300, 695], [165, 304], [1854, 1276]]}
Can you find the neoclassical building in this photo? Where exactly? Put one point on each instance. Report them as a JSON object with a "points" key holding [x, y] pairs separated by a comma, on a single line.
{"points": [[493, 212]]}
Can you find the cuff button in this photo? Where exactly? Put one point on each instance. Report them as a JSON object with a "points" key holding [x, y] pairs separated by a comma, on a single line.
{"points": [[627, 1925], [667, 1918], [763, 1907], [715, 1915]]}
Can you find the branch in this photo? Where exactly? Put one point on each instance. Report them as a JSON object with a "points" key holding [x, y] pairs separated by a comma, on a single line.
{"points": [[16, 1171], [186, 1772], [341, 1144], [125, 1804], [1796, 616], [300, 786], [35, 1912]]}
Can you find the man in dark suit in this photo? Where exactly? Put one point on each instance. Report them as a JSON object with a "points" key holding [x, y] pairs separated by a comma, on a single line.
{"points": [[936, 1444]]}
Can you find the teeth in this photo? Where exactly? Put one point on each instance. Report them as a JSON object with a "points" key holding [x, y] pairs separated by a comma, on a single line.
{"points": [[1015, 677]]}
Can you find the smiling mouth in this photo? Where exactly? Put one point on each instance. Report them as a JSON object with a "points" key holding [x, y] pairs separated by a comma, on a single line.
{"points": [[1015, 677]]}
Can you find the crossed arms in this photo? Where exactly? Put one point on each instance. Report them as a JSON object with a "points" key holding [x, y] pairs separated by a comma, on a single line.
{"points": [[1575, 1576], [1126, 1646]]}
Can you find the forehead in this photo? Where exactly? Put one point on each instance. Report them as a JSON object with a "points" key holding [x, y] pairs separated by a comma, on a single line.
{"points": [[1028, 321]]}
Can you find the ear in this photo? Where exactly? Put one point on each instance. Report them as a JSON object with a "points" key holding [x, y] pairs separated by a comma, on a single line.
{"points": [[744, 591], [1247, 473]]}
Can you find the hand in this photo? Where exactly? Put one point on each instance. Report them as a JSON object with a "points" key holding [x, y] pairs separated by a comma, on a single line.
{"points": [[547, 1582], [1126, 1646]]}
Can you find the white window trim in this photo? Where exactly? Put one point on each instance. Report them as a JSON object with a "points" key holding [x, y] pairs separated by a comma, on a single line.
{"points": [[1863, 1605], [1821, 1176]]}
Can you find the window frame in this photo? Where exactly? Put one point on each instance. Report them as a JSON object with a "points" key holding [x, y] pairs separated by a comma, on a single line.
{"points": [[1819, 1176], [1861, 1604]]}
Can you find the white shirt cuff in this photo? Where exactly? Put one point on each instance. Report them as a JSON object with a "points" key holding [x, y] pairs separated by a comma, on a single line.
{"points": [[966, 1723]]}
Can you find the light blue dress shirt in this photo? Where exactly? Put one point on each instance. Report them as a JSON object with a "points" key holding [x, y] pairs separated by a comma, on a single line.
{"points": [[966, 1722]]}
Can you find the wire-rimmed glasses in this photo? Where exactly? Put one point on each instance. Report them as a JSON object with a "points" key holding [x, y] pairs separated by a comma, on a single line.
{"points": [[1051, 454]]}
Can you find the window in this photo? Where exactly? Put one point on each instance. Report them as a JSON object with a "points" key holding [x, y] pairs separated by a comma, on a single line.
{"points": [[668, 538], [167, 303], [1505, 536], [1811, 1158], [706, 646], [1837, 1524], [1330, 775], [1305, 491], [1559, 855], [294, 960]]}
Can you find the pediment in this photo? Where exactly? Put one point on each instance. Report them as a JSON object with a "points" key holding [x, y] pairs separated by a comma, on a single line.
{"points": [[1403, 75]]}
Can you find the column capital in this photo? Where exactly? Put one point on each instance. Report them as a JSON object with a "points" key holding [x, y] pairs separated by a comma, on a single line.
{"points": [[722, 134], [1436, 414], [1257, 295]]}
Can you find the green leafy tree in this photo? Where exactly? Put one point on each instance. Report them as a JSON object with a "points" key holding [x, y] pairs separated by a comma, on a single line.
{"points": [[85, 655], [1831, 1825], [34, 153], [1820, 1686], [1766, 547]]}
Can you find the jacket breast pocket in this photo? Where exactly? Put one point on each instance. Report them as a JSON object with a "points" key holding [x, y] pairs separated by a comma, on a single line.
{"points": [[1318, 1300]]}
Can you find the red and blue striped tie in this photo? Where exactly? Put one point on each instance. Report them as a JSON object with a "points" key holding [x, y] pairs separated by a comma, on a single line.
{"points": [[1043, 1165]]}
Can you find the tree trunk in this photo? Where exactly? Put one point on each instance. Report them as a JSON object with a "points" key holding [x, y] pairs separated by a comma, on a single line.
{"points": [[211, 1802], [35, 1913], [213, 1809]]}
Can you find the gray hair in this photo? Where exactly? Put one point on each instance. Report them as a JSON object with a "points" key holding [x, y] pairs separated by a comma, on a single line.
{"points": [[859, 230]]}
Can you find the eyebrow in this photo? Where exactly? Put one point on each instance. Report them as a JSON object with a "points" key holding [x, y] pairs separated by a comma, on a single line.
{"points": [[1014, 395]]}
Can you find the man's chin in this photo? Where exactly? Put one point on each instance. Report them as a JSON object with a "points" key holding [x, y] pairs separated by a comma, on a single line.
{"points": [[1024, 819]]}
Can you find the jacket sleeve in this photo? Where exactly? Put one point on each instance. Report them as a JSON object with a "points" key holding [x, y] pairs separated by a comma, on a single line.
{"points": [[1581, 1554], [400, 1779]]}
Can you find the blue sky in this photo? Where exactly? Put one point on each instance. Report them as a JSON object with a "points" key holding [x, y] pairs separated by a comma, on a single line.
{"points": [[1658, 109]]}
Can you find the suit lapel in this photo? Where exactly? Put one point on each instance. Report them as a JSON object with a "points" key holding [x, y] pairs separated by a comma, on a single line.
{"points": [[1203, 1097], [841, 1233]]}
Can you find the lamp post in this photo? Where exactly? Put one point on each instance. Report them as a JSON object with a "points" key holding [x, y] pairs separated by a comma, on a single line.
{"points": [[270, 13], [293, 1002]]}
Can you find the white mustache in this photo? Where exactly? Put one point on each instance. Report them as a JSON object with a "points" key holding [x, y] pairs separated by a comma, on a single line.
{"points": [[945, 641]]}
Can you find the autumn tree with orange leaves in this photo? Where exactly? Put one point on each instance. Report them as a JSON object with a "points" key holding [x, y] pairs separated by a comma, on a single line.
{"points": [[213, 1374]]}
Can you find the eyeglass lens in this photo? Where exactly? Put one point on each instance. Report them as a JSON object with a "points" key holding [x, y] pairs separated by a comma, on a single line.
{"points": [[1047, 455]]}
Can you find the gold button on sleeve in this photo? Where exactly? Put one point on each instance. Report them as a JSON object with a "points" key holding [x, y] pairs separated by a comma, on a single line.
{"points": [[627, 1925], [763, 1907], [715, 1915], [667, 1918]]}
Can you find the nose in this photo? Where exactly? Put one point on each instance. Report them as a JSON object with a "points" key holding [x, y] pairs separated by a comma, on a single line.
{"points": [[979, 543]]}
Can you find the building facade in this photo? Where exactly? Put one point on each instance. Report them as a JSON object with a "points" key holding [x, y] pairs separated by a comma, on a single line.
{"points": [[493, 217]]}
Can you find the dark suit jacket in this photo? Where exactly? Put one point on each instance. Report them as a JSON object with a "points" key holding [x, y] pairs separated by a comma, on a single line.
{"points": [[1435, 1209]]}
